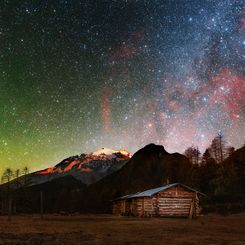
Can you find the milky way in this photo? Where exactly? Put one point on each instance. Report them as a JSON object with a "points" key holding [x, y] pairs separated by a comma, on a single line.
{"points": [[80, 75]]}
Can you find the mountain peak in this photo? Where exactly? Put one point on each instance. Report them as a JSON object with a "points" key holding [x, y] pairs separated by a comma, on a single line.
{"points": [[108, 151], [153, 149], [87, 168]]}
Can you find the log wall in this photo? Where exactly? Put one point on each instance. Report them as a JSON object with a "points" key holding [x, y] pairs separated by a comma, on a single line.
{"points": [[176, 201], [118, 207], [142, 206]]}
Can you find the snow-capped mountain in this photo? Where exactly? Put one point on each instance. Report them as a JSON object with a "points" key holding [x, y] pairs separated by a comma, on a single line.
{"points": [[88, 168], [110, 152]]}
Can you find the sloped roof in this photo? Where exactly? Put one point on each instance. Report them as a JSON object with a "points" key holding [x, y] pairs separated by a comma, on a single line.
{"points": [[154, 191]]}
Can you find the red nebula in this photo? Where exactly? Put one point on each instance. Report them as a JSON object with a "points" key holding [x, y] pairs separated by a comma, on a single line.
{"points": [[138, 35], [129, 51], [230, 91], [124, 52]]}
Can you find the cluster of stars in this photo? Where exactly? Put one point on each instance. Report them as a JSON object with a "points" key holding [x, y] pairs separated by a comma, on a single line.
{"points": [[80, 75]]}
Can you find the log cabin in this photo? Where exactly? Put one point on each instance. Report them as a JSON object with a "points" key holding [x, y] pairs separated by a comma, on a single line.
{"points": [[173, 200]]}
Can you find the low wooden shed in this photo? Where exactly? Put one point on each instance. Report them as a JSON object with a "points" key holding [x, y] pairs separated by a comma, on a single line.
{"points": [[170, 200]]}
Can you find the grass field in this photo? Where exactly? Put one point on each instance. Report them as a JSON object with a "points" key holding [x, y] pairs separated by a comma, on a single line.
{"points": [[108, 229]]}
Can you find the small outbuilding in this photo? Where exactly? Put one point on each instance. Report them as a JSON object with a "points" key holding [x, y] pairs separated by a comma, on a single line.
{"points": [[175, 200]]}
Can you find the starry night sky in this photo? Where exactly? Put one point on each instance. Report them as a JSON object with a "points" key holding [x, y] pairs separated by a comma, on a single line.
{"points": [[76, 76]]}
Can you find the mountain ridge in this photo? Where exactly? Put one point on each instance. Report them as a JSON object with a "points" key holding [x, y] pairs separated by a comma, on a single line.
{"points": [[87, 168]]}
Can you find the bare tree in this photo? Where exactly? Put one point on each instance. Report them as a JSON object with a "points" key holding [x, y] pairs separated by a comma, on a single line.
{"points": [[206, 157], [221, 147], [197, 155], [7, 175], [218, 148], [229, 151], [25, 172], [6, 178], [17, 173], [193, 154]]}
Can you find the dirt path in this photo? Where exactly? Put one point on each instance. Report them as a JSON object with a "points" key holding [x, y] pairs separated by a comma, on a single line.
{"points": [[108, 229]]}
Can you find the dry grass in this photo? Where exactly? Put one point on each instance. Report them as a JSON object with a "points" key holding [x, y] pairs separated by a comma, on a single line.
{"points": [[108, 229]]}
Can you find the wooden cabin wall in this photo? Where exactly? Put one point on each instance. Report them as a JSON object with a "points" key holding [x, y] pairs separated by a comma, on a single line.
{"points": [[176, 201], [142, 206], [148, 206], [155, 206], [118, 207], [135, 207], [128, 206], [197, 205]]}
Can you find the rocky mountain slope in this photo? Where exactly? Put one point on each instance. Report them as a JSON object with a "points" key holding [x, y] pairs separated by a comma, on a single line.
{"points": [[87, 168]]}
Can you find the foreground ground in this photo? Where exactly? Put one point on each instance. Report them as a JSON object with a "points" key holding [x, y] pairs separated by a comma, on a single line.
{"points": [[108, 229]]}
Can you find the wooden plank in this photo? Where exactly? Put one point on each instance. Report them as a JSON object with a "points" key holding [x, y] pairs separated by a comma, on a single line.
{"points": [[174, 208], [174, 201], [191, 210], [174, 211], [168, 208]]}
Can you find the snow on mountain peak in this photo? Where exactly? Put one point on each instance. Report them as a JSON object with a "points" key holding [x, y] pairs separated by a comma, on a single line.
{"points": [[109, 152], [105, 151]]}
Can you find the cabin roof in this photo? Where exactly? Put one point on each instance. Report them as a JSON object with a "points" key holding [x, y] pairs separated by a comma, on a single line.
{"points": [[154, 191]]}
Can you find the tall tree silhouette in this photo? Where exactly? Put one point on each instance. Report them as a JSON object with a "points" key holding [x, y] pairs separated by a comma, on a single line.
{"points": [[193, 154], [218, 148], [6, 178], [25, 172]]}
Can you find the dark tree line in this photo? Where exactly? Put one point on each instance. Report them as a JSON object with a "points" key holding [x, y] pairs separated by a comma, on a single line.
{"points": [[11, 180], [219, 173], [218, 151]]}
